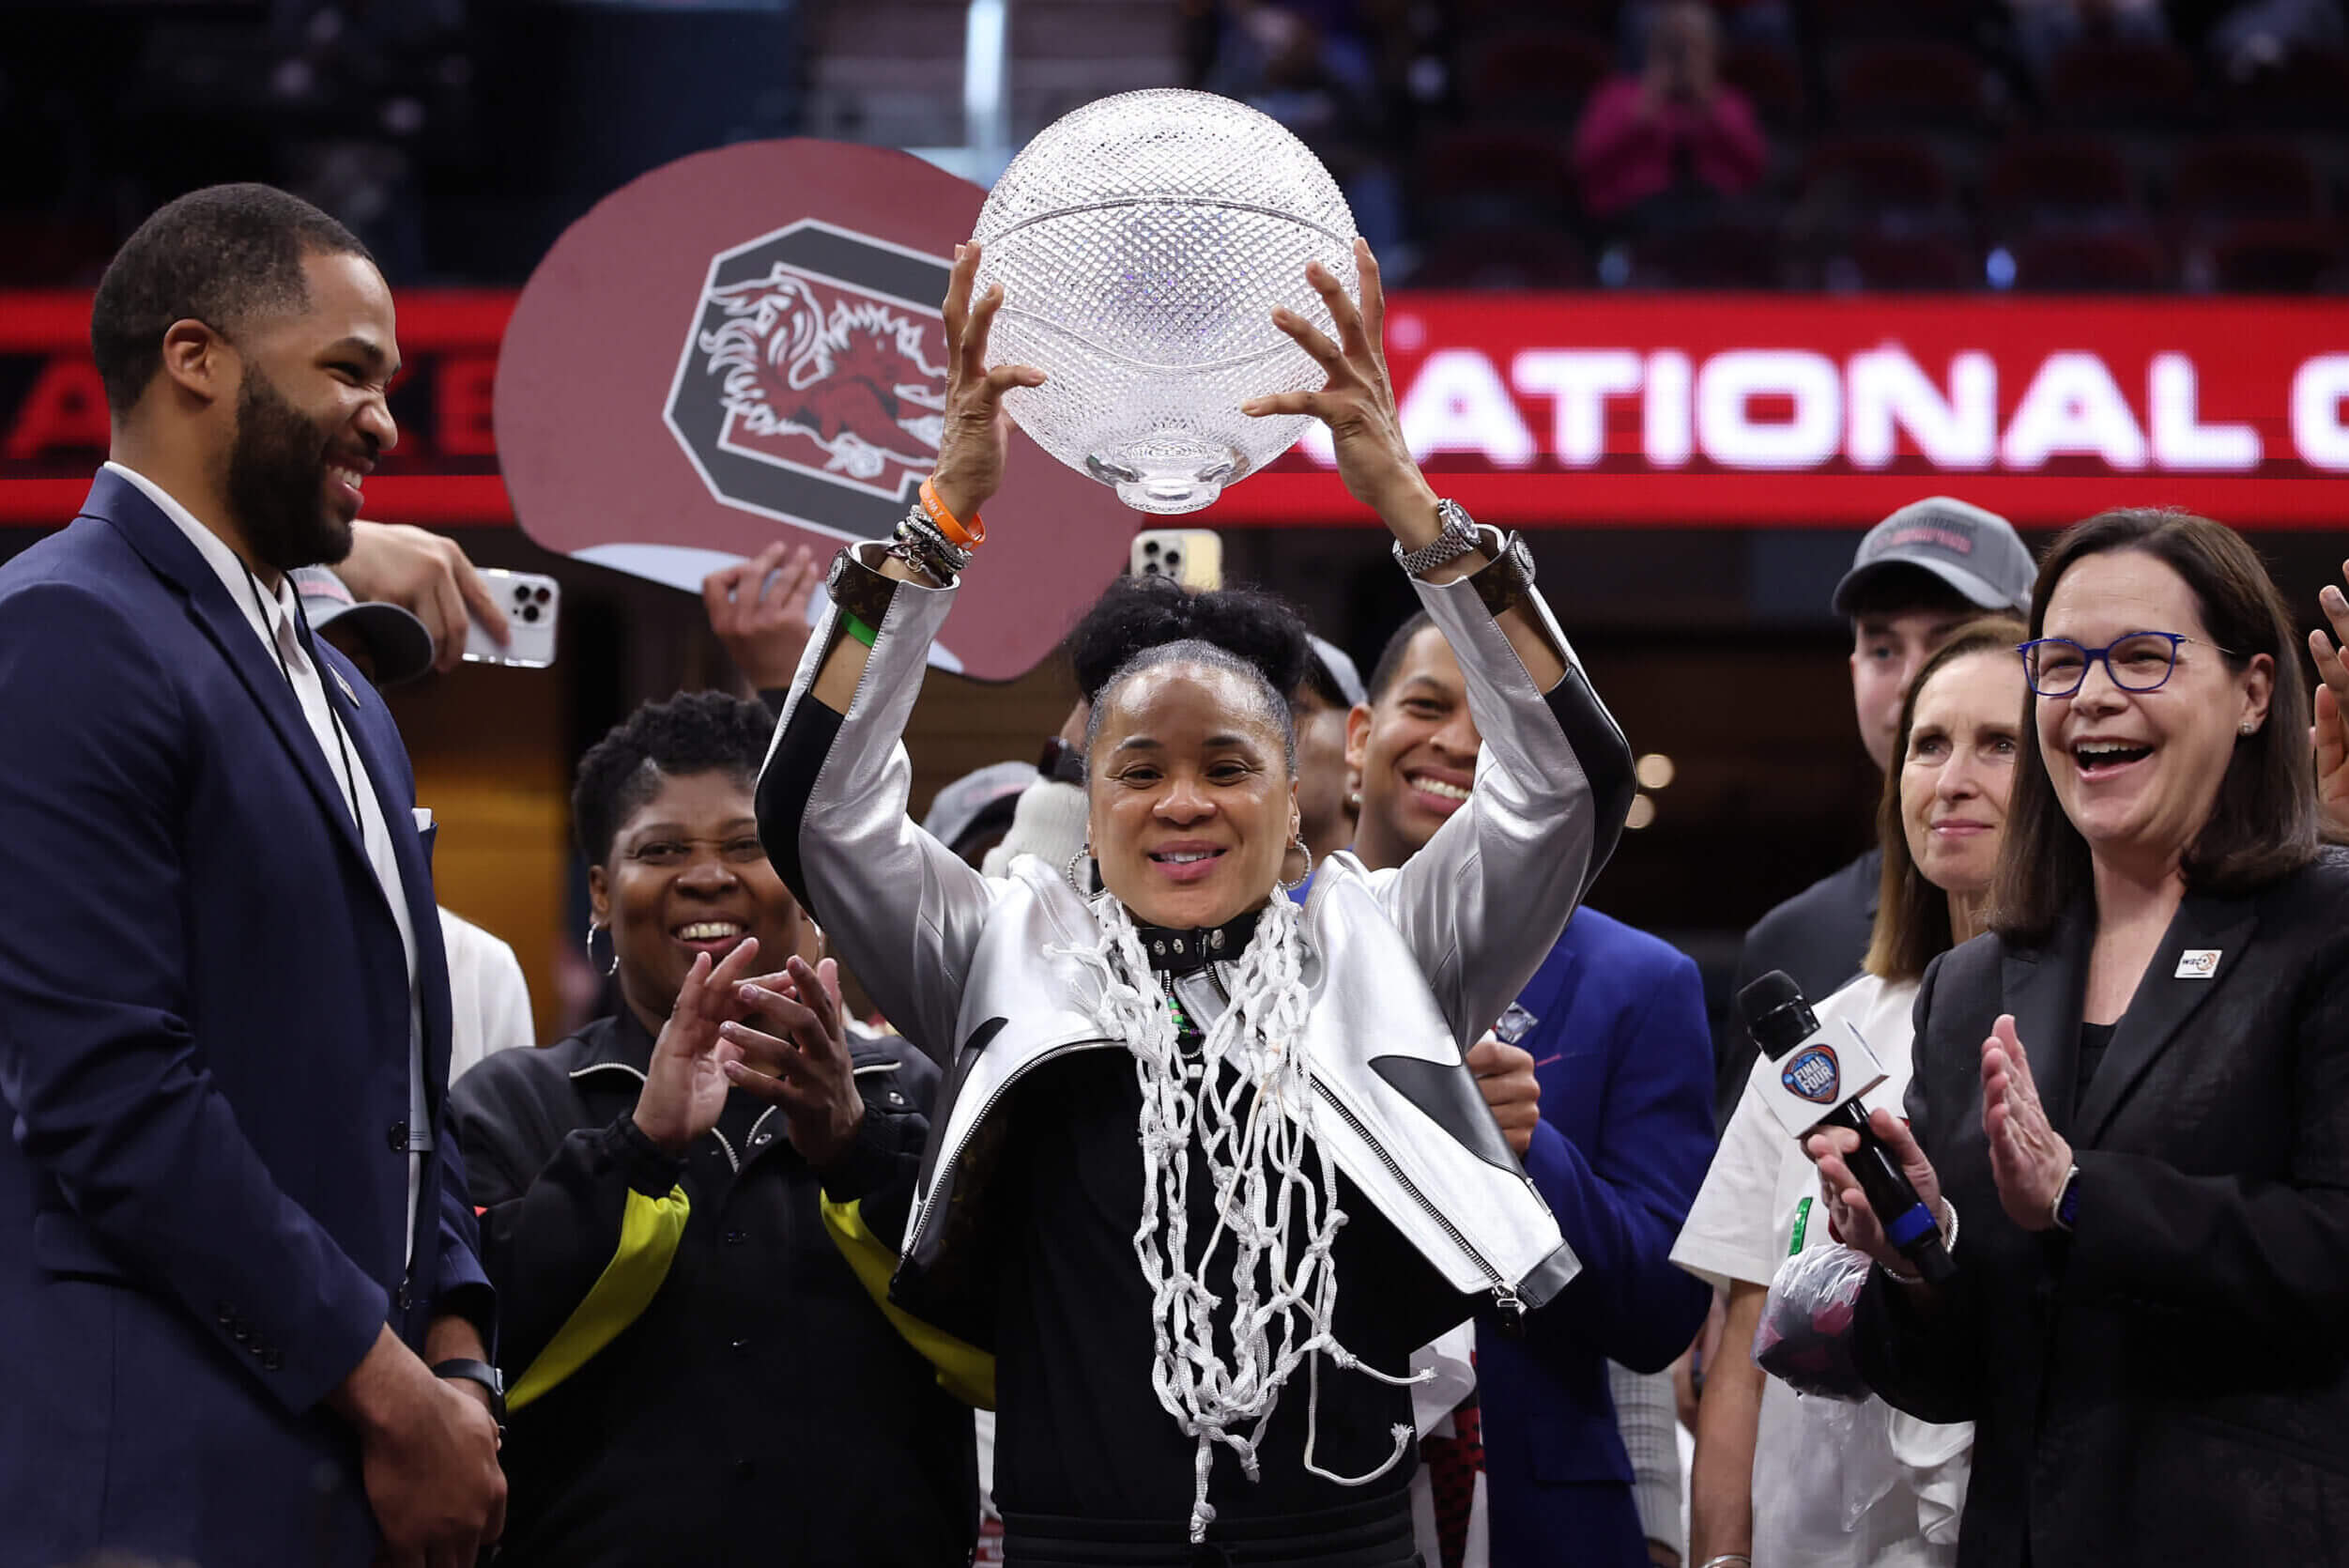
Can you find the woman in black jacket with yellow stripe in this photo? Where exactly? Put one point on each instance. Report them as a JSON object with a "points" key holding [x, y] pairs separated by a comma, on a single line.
{"points": [[695, 1375]]}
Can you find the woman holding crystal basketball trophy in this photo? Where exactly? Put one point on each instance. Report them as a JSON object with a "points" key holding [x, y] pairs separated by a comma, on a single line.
{"points": [[1208, 1166]]}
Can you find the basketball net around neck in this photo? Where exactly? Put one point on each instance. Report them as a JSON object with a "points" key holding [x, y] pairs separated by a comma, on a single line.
{"points": [[1245, 1100]]}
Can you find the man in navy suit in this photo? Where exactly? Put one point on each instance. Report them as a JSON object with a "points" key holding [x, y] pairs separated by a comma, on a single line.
{"points": [[1600, 1076], [235, 1249]]}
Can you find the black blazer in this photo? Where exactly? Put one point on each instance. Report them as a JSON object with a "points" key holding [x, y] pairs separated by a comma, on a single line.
{"points": [[2168, 1384]]}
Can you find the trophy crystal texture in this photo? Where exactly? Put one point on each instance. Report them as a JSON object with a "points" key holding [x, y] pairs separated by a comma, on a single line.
{"points": [[1142, 241]]}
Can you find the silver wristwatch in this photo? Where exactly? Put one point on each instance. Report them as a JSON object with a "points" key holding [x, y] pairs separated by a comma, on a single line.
{"points": [[1458, 537]]}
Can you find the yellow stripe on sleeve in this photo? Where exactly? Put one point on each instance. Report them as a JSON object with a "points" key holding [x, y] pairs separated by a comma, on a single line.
{"points": [[964, 1370], [649, 1229]]}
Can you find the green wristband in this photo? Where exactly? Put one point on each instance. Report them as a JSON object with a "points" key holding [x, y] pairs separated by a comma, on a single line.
{"points": [[857, 629]]}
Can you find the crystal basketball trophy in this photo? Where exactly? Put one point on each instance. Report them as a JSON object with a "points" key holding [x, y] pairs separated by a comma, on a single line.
{"points": [[1142, 241]]}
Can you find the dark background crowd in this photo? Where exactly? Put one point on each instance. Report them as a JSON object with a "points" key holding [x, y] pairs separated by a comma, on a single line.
{"points": [[2042, 145]]}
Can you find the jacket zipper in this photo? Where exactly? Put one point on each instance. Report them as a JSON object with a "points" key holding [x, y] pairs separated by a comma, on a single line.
{"points": [[1506, 1301], [938, 1178]]}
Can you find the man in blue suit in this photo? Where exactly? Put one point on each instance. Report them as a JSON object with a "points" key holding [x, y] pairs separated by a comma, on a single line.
{"points": [[1600, 1076], [242, 1320]]}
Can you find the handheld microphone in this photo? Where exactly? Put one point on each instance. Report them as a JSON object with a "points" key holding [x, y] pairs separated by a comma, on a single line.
{"points": [[1816, 1082]]}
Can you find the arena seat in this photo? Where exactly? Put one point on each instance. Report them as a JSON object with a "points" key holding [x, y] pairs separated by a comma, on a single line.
{"points": [[2075, 261], [1910, 85], [1503, 259], [2118, 86], [1532, 76]]}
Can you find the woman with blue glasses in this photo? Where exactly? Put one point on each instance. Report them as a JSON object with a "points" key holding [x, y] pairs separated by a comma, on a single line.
{"points": [[2136, 1087]]}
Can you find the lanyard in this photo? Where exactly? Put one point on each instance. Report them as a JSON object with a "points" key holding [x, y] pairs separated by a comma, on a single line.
{"points": [[350, 775]]}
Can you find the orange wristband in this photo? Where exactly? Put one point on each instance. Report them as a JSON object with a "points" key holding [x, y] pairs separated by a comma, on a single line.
{"points": [[970, 535]]}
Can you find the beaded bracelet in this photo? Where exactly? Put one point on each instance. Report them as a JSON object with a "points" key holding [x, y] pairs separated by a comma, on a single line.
{"points": [[922, 545]]}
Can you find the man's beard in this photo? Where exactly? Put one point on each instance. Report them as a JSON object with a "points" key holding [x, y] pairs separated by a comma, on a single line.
{"points": [[277, 481]]}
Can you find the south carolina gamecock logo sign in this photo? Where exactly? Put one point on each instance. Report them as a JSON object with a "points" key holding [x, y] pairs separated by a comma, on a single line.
{"points": [[812, 383]]}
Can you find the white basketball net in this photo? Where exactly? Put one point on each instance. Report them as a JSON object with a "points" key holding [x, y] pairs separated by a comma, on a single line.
{"points": [[1254, 1126]]}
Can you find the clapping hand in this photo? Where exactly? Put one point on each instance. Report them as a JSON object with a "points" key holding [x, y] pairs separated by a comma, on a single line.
{"points": [[2028, 1159], [800, 1061], [2330, 736], [685, 1084]]}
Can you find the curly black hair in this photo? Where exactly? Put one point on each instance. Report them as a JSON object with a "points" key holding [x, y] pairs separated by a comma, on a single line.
{"points": [[1141, 621], [1138, 613], [220, 256], [693, 731]]}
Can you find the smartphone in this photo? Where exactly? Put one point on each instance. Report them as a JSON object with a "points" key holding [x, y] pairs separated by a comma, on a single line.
{"points": [[531, 601], [1193, 557]]}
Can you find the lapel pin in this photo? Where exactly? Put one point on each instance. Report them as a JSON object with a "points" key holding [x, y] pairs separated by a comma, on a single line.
{"points": [[344, 685], [2198, 963]]}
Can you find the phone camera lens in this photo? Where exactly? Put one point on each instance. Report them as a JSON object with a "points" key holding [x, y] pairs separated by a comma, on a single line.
{"points": [[541, 596], [529, 612]]}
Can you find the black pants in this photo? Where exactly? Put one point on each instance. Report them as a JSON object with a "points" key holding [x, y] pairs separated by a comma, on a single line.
{"points": [[1371, 1534]]}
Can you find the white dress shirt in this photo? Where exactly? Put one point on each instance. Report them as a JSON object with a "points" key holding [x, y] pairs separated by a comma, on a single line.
{"points": [[273, 621], [489, 1001], [1834, 1485]]}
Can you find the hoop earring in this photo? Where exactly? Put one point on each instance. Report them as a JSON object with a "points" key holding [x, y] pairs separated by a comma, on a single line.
{"points": [[1303, 876], [611, 968], [1085, 852]]}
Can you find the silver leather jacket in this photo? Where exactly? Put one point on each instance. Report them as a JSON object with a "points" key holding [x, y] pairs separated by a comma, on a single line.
{"points": [[1408, 967]]}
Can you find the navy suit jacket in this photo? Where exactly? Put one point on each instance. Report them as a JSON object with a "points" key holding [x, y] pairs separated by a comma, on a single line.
{"points": [[1624, 1055], [203, 1052]]}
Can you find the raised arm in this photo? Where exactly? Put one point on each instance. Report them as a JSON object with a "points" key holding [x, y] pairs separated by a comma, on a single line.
{"points": [[1482, 904], [899, 907]]}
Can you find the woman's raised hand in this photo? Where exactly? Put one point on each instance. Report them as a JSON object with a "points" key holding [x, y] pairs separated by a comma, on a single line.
{"points": [[2329, 737], [977, 433], [800, 1060], [1359, 402], [684, 1085], [1854, 1219], [2027, 1159]]}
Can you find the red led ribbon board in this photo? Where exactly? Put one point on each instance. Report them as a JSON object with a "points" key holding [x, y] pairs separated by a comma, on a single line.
{"points": [[1572, 409], [443, 473], [1779, 411]]}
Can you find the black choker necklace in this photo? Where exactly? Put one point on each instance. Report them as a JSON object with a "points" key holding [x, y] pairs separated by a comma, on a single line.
{"points": [[1182, 949]]}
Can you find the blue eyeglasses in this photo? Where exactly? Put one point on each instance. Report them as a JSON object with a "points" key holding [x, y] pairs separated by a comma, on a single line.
{"points": [[2141, 661]]}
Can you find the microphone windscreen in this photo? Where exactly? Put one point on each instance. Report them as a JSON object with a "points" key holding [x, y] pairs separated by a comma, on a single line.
{"points": [[1776, 1012]]}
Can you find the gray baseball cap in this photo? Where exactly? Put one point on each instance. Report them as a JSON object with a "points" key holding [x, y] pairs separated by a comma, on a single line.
{"points": [[983, 797], [396, 642], [1342, 674], [1978, 553]]}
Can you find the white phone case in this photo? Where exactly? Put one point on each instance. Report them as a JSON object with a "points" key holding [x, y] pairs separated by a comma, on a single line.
{"points": [[532, 603]]}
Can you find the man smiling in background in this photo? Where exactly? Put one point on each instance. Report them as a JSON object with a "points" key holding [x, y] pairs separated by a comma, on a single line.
{"points": [[241, 1317]]}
